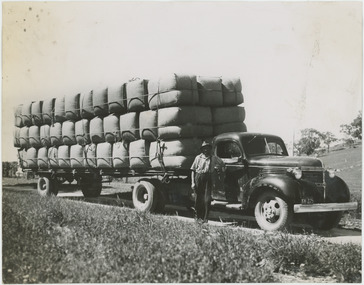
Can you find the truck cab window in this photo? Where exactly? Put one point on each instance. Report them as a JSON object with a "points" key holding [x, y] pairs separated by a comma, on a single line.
{"points": [[228, 150]]}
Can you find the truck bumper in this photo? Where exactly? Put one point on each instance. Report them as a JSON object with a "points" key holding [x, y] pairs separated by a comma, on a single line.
{"points": [[325, 207]]}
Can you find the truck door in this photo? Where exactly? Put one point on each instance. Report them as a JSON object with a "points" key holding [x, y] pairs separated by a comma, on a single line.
{"points": [[230, 152]]}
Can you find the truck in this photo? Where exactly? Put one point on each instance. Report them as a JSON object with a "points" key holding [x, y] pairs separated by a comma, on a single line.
{"points": [[261, 179]]}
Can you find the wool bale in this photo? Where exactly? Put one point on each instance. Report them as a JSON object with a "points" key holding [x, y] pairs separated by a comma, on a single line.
{"points": [[64, 156], [48, 111], [32, 155], [72, 107], [26, 114], [148, 125], [16, 136], [68, 133], [77, 156], [99, 101], [129, 126], [116, 96], [224, 115], [36, 109], [34, 137], [45, 135], [229, 127], [59, 110], [17, 116], [43, 158], [24, 137], [112, 129], [104, 155], [22, 156], [55, 132], [173, 90], [139, 155], [120, 155], [82, 132], [90, 156], [53, 157], [137, 95], [231, 91], [184, 122], [177, 154], [97, 130], [210, 91], [86, 105]]}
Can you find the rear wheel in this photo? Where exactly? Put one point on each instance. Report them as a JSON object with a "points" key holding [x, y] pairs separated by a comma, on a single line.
{"points": [[272, 212], [145, 197], [91, 187], [47, 187]]}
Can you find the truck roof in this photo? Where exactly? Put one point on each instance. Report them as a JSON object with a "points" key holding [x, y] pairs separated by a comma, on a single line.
{"points": [[240, 135]]}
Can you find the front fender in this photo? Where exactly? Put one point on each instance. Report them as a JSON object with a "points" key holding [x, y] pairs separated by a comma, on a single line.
{"points": [[336, 189], [285, 185]]}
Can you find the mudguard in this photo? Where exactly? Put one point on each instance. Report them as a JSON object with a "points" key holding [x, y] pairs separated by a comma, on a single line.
{"points": [[336, 189], [283, 184]]}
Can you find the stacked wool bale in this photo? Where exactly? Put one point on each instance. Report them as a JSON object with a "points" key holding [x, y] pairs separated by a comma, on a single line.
{"points": [[129, 125], [181, 123]]}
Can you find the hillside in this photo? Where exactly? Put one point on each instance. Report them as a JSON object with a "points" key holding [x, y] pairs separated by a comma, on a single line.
{"points": [[348, 163]]}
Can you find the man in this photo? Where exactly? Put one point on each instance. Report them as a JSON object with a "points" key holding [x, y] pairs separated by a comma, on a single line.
{"points": [[203, 168]]}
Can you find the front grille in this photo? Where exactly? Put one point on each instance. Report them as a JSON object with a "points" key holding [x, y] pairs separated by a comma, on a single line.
{"points": [[270, 171], [316, 177]]}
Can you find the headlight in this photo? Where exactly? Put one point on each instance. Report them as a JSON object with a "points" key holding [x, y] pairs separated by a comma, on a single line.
{"points": [[297, 172], [331, 173]]}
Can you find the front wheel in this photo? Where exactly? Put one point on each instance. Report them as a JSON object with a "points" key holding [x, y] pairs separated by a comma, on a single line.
{"points": [[47, 187], [145, 196], [272, 212]]}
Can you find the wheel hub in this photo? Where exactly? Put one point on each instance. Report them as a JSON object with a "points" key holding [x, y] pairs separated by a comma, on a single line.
{"points": [[271, 210], [145, 196]]}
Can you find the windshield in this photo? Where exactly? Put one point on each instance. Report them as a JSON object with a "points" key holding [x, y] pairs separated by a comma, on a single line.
{"points": [[263, 145]]}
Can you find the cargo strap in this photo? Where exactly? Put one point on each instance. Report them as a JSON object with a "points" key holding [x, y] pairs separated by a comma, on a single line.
{"points": [[159, 154]]}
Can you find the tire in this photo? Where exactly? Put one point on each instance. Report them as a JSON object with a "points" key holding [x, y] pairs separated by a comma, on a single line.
{"points": [[324, 221], [272, 212], [47, 187], [145, 197], [91, 188]]}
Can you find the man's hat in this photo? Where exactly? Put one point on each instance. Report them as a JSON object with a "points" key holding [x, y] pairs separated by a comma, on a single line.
{"points": [[205, 144]]}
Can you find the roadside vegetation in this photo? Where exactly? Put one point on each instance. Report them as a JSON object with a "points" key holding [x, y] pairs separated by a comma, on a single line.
{"points": [[50, 240]]}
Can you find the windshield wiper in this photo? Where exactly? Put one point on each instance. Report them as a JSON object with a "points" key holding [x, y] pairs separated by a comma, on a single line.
{"points": [[252, 139]]}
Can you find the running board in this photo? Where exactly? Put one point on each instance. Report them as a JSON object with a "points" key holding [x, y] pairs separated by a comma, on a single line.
{"points": [[234, 206], [222, 203], [226, 204]]}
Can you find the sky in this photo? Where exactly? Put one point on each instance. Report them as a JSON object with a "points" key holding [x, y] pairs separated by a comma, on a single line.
{"points": [[300, 63]]}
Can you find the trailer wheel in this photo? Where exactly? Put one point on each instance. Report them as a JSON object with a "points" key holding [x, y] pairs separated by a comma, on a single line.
{"points": [[91, 188], [272, 212], [324, 221], [145, 196], [47, 187]]}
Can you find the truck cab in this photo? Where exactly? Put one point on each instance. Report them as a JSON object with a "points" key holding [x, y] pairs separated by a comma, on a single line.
{"points": [[261, 178]]}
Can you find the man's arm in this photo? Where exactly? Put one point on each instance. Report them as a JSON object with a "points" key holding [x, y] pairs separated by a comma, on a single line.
{"points": [[193, 185]]}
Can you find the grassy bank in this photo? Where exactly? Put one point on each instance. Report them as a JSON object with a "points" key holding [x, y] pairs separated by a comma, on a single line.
{"points": [[61, 241]]}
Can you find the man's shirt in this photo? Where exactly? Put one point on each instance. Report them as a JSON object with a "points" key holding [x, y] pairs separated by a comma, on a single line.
{"points": [[207, 164]]}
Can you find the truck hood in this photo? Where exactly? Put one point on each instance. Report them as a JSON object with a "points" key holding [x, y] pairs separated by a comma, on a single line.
{"points": [[285, 161]]}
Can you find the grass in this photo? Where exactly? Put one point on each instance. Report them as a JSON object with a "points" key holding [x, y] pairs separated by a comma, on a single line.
{"points": [[49, 240]]}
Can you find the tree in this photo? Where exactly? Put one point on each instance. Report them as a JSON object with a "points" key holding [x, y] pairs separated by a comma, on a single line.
{"points": [[354, 129], [309, 142], [328, 138]]}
